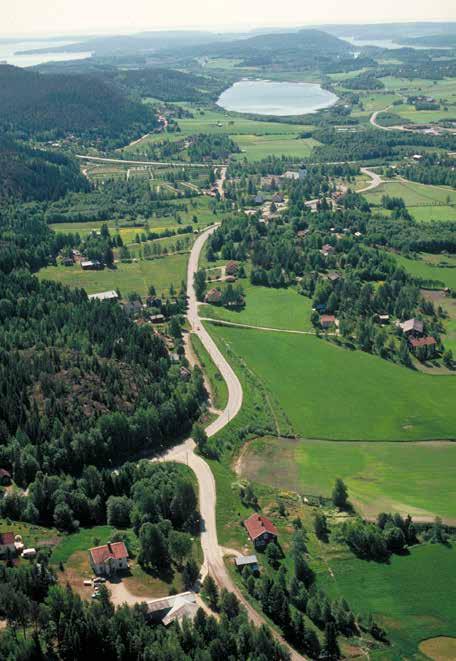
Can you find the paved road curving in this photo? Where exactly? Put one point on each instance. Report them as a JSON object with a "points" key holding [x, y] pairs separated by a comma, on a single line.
{"points": [[376, 180], [184, 453]]}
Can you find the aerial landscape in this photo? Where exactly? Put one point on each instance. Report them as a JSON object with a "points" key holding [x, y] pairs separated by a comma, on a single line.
{"points": [[228, 332]]}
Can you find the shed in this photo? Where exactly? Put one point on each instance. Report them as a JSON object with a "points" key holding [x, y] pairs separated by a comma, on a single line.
{"points": [[247, 561]]}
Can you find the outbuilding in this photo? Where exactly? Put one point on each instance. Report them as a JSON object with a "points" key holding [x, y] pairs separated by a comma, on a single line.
{"points": [[260, 529]]}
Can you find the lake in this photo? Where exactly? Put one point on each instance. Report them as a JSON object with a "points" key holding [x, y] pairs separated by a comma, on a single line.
{"points": [[10, 53], [385, 43], [265, 97]]}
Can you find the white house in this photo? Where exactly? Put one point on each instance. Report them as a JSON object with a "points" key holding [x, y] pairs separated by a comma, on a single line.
{"points": [[109, 558]]}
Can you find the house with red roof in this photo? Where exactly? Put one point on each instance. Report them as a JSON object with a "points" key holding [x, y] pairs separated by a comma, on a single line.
{"points": [[260, 529], [109, 558], [327, 320], [7, 547]]}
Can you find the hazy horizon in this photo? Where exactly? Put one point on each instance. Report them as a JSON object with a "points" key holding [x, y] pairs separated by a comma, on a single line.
{"points": [[51, 18]]}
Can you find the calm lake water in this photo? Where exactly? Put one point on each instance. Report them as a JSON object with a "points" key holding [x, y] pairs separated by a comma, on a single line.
{"points": [[385, 43], [264, 97], [8, 53]]}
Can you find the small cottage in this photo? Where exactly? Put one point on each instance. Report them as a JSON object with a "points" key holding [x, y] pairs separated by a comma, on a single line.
{"points": [[260, 529]]}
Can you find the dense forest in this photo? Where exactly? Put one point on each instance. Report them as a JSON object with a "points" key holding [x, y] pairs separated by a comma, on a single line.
{"points": [[170, 85], [53, 106], [34, 174]]}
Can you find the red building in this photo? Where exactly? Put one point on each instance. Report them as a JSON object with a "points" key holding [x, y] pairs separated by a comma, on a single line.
{"points": [[260, 529]]}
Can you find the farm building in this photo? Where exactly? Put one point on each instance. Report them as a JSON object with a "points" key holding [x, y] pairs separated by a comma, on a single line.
{"points": [[277, 198], [247, 561], [7, 544], [259, 199], [429, 342], [89, 265], [172, 609], [327, 320], [104, 296], [412, 327], [382, 318], [333, 276], [157, 318], [260, 529], [109, 558]]}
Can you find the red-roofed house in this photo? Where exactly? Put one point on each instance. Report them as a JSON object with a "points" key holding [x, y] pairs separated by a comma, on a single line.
{"points": [[260, 529], [428, 343], [231, 268], [7, 544], [109, 558], [327, 320]]}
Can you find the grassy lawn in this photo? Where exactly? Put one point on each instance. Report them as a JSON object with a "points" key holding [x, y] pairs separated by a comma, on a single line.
{"points": [[257, 147], [33, 536], [409, 597], [219, 389], [265, 306], [373, 472], [427, 214], [134, 277], [80, 541], [420, 199], [210, 121], [422, 268], [331, 393]]}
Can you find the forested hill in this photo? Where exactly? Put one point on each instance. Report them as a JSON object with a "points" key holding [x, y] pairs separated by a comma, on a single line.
{"points": [[305, 47], [34, 174], [52, 106], [169, 84]]}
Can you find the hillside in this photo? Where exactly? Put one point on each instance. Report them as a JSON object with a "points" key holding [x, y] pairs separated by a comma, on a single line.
{"points": [[55, 105], [303, 48], [169, 84], [34, 174]]}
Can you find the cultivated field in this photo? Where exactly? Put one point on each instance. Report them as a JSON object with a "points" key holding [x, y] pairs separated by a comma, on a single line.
{"points": [[424, 202], [412, 596], [331, 393], [265, 306], [373, 473], [134, 277]]}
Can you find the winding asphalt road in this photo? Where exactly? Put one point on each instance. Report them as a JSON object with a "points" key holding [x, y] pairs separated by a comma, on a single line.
{"points": [[185, 453]]}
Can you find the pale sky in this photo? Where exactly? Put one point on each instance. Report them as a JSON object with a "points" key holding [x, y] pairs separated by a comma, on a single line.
{"points": [[24, 17]]}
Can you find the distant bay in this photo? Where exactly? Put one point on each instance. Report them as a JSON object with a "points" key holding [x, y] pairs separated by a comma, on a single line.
{"points": [[265, 97]]}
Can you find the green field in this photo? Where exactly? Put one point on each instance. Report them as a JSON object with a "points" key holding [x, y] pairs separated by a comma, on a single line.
{"points": [[413, 597], [373, 472], [427, 214], [424, 202], [219, 389], [258, 147], [274, 308], [421, 268], [331, 393], [134, 277]]}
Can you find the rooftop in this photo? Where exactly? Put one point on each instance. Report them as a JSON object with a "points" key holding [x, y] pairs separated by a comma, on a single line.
{"points": [[104, 295], [114, 550], [257, 525], [243, 560]]}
